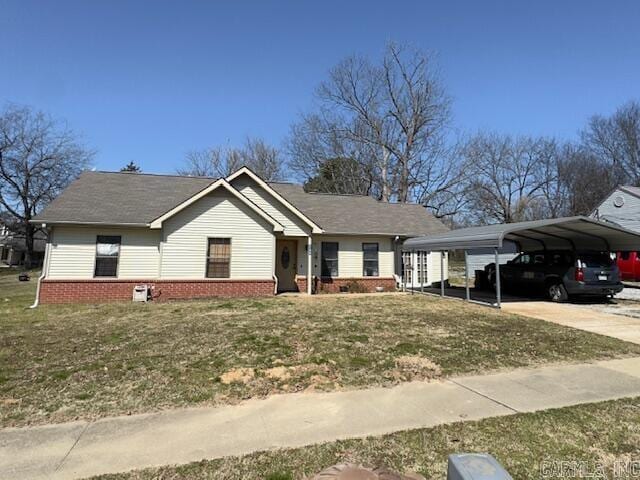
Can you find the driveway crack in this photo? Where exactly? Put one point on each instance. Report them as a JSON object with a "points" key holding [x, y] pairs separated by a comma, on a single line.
{"points": [[72, 447], [514, 410]]}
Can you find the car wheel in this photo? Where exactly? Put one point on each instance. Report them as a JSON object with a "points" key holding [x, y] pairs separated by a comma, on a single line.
{"points": [[557, 293]]}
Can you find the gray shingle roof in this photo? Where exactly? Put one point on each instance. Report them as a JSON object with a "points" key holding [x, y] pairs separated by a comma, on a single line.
{"points": [[121, 198], [138, 199], [360, 214]]}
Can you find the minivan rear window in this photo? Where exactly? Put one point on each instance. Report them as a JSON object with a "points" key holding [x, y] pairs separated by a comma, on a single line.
{"points": [[595, 259]]}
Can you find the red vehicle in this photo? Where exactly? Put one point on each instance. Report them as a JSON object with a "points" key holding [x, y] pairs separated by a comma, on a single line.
{"points": [[629, 265]]}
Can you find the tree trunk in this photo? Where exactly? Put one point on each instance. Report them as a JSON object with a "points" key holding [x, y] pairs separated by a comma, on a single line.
{"points": [[29, 232], [384, 175], [403, 184]]}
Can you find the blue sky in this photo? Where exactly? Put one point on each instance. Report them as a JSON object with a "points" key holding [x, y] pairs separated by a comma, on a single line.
{"points": [[148, 81]]}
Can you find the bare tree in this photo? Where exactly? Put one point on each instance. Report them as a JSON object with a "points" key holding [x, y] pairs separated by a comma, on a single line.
{"points": [[39, 157], [313, 147], [444, 183], [352, 111], [392, 117], [585, 178], [507, 177], [219, 162], [211, 162], [616, 141], [262, 158], [420, 109]]}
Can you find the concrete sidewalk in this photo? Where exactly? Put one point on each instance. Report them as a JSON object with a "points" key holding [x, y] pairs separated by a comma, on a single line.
{"points": [[590, 318], [81, 449]]}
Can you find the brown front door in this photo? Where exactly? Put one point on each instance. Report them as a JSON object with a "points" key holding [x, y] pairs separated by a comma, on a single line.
{"points": [[286, 265]]}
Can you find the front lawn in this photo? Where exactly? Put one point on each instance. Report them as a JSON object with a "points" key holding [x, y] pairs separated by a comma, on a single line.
{"points": [[58, 363], [571, 442]]}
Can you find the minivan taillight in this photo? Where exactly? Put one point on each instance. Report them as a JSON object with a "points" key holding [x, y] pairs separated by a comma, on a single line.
{"points": [[579, 275]]}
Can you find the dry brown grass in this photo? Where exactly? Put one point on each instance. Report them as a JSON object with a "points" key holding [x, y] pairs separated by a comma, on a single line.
{"points": [[58, 363]]}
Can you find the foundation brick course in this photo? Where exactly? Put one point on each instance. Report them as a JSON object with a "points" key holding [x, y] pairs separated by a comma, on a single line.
{"points": [[100, 291], [332, 285]]}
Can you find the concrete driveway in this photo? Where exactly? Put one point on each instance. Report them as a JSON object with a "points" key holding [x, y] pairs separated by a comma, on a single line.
{"points": [[619, 319]]}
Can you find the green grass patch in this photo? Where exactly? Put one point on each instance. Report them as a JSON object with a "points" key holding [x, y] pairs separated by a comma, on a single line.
{"points": [[136, 358]]}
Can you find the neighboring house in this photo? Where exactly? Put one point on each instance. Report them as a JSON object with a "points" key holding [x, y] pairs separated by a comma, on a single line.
{"points": [[237, 236], [13, 247], [622, 207]]}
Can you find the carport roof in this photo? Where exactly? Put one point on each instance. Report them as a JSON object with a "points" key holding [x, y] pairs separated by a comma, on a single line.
{"points": [[580, 233]]}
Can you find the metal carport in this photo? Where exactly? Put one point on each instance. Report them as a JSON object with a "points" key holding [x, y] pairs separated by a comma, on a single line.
{"points": [[574, 233]]}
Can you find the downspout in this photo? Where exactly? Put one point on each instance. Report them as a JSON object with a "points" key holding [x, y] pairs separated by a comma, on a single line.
{"points": [[156, 289], [273, 266], [45, 268], [309, 265]]}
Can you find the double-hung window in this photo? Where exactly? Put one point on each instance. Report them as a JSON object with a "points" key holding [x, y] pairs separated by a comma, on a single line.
{"points": [[329, 259], [107, 255], [219, 258], [421, 261], [407, 268], [370, 260]]}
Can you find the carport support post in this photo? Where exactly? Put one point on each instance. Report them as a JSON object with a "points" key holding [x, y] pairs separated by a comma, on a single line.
{"points": [[498, 287], [442, 274], [466, 276]]}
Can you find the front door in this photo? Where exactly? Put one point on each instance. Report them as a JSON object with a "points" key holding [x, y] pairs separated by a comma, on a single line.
{"points": [[286, 265]]}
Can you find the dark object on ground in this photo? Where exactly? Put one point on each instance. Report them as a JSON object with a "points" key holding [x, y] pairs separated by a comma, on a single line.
{"points": [[439, 284], [560, 274], [24, 277], [475, 466]]}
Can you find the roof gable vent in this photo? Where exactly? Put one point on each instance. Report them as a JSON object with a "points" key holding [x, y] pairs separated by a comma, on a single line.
{"points": [[618, 201]]}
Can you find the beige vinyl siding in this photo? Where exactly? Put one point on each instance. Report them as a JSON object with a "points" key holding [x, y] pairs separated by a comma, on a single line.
{"points": [[350, 257], [218, 214], [433, 274], [292, 224], [73, 252]]}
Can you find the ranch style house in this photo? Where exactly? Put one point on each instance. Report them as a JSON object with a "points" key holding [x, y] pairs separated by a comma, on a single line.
{"points": [[190, 237]]}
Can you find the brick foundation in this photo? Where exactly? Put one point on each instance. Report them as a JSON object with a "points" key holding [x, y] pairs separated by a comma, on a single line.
{"points": [[100, 291], [302, 284], [332, 285]]}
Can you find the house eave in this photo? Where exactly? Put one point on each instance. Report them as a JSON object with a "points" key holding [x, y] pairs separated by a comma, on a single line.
{"points": [[88, 223], [376, 234]]}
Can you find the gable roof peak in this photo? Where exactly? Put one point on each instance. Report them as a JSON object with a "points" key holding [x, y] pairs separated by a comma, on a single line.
{"points": [[220, 183], [315, 228]]}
